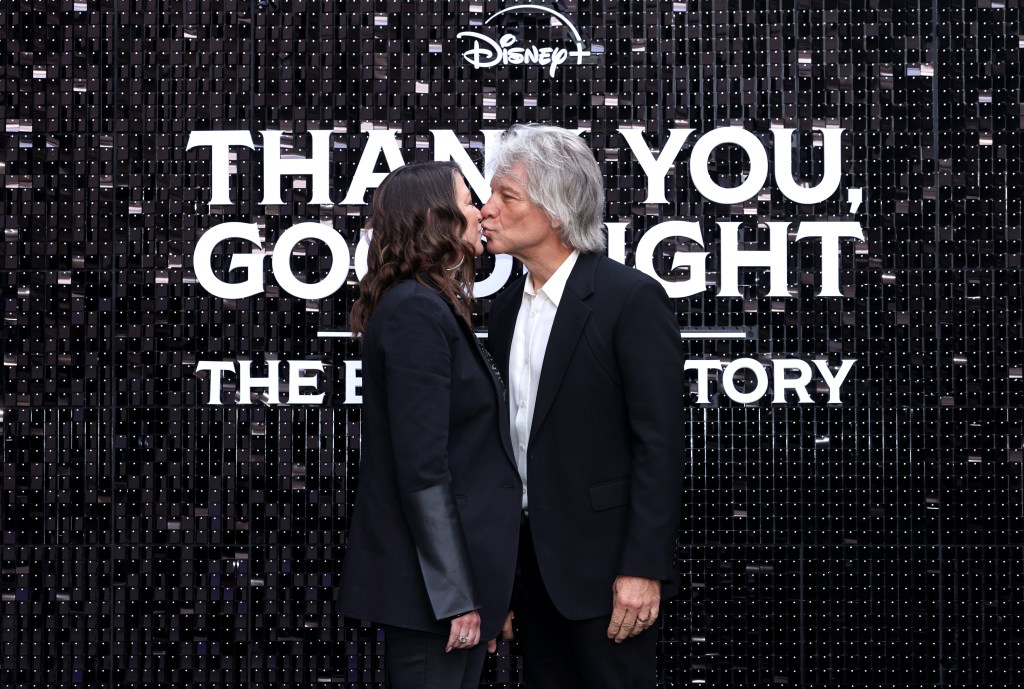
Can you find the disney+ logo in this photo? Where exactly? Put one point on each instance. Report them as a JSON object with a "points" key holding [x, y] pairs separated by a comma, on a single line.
{"points": [[486, 52]]}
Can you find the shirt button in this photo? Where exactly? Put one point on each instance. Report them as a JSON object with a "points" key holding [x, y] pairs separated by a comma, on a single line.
{"points": [[533, 314]]}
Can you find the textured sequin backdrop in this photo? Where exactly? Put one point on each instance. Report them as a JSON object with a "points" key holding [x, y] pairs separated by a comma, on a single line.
{"points": [[151, 539]]}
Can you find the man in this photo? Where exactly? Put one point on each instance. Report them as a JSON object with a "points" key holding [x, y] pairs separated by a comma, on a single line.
{"points": [[591, 355]]}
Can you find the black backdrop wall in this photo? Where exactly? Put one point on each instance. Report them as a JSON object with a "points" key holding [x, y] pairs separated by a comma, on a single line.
{"points": [[151, 538]]}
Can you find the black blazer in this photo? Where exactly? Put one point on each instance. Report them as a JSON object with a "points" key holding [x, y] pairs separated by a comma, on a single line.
{"points": [[436, 518], [607, 444]]}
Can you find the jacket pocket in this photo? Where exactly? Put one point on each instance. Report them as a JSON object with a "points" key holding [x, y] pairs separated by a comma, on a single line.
{"points": [[609, 494]]}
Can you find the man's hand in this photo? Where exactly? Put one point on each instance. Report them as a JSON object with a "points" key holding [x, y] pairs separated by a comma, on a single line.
{"points": [[464, 627], [506, 632], [635, 603]]}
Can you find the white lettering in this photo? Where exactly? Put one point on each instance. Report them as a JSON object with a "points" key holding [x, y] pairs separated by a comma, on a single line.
{"points": [[496, 280], [729, 380], [282, 261], [781, 381], [353, 382], [243, 368], [617, 241], [448, 147], [247, 382], [727, 374], [774, 258], [703, 368], [829, 232], [486, 52], [701, 154], [379, 141], [487, 55], [780, 367], [645, 250], [656, 169], [341, 262], [318, 166], [220, 143], [297, 381], [784, 144], [833, 381], [251, 263], [216, 369], [382, 146]]}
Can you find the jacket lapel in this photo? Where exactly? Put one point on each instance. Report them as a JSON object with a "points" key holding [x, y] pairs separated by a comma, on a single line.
{"points": [[501, 395], [502, 323], [570, 318]]}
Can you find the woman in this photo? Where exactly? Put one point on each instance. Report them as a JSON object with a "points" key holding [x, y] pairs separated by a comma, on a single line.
{"points": [[432, 544]]}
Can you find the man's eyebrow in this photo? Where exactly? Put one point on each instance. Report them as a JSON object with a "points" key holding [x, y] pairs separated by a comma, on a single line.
{"points": [[507, 180]]}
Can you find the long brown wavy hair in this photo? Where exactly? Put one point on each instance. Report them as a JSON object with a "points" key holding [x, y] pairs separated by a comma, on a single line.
{"points": [[417, 227]]}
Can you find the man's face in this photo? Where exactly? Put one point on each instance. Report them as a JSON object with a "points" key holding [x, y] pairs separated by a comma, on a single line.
{"points": [[513, 224]]}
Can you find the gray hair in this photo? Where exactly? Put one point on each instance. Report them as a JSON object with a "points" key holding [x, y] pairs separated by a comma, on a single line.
{"points": [[562, 177]]}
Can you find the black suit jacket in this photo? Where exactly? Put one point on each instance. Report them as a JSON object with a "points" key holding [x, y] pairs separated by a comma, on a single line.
{"points": [[607, 443], [437, 511]]}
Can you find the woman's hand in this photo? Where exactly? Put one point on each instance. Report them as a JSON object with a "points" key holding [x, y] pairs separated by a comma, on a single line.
{"points": [[465, 632]]}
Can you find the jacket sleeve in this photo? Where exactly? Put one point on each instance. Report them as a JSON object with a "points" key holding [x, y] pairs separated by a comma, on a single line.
{"points": [[650, 361], [416, 342], [441, 549]]}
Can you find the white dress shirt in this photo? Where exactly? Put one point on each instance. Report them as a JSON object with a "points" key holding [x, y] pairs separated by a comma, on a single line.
{"points": [[526, 356]]}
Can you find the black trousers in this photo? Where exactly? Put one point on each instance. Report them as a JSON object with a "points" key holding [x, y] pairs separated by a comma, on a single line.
{"points": [[568, 654], [416, 660]]}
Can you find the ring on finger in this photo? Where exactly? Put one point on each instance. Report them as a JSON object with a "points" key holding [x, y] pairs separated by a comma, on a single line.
{"points": [[463, 639]]}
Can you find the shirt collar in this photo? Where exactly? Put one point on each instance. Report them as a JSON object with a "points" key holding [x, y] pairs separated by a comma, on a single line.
{"points": [[555, 285]]}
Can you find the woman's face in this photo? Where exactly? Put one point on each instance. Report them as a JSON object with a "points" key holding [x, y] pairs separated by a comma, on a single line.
{"points": [[472, 213]]}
